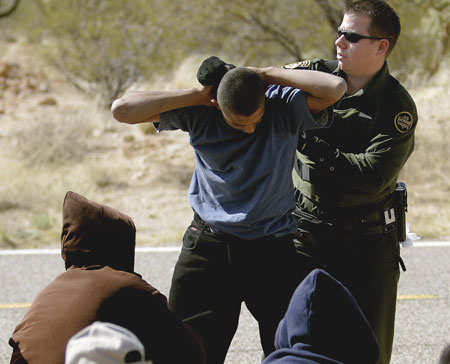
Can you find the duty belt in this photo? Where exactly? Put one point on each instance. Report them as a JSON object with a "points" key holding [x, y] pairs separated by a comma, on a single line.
{"points": [[376, 219], [368, 225], [369, 220]]}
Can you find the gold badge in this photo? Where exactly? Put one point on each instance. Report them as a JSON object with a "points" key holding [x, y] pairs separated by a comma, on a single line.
{"points": [[301, 64], [403, 121]]}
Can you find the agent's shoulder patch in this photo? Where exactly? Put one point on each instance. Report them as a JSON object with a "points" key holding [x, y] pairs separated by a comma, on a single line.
{"points": [[403, 121], [301, 64]]}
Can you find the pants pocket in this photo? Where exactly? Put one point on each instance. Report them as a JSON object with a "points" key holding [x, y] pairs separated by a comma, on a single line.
{"points": [[191, 237]]}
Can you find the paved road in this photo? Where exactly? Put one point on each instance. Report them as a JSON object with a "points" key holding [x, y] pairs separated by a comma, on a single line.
{"points": [[423, 315]]}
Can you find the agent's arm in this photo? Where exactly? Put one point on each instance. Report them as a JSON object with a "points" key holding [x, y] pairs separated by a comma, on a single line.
{"points": [[146, 106], [322, 89]]}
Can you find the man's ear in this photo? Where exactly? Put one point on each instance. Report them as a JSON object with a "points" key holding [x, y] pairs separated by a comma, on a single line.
{"points": [[383, 46], [215, 103]]}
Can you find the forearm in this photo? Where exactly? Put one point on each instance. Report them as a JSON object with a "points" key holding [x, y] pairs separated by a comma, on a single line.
{"points": [[372, 170], [145, 106], [324, 89]]}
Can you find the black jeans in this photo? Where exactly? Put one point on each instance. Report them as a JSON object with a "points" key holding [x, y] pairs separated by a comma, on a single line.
{"points": [[216, 272]]}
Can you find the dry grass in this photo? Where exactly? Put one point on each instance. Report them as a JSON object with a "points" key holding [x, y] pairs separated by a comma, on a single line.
{"points": [[427, 172], [53, 140]]}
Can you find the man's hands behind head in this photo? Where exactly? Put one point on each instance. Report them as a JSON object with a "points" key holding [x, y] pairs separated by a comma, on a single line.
{"points": [[212, 70]]}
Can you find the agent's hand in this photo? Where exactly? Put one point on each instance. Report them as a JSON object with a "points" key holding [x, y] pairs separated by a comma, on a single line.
{"points": [[212, 70]]}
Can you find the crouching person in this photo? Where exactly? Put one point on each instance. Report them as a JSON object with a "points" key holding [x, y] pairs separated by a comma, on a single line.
{"points": [[99, 284], [323, 325], [105, 343]]}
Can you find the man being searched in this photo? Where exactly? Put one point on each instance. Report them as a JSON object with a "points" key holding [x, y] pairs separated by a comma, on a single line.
{"points": [[350, 206], [99, 284], [239, 246]]}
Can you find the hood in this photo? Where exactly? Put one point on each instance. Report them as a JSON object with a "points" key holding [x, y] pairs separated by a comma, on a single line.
{"points": [[95, 234], [323, 324]]}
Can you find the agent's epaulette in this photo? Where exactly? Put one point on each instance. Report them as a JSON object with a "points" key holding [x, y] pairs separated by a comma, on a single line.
{"points": [[296, 65], [316, 64]]}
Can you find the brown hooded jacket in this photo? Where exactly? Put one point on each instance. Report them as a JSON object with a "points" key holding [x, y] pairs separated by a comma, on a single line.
{"points": [[99, 284]]}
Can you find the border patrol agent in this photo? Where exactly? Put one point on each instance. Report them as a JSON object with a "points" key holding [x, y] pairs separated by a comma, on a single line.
{"points": [[350, 217]]}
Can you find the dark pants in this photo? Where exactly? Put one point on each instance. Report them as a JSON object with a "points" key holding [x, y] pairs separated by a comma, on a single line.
{"points": [[215, 273], [369, 268]]}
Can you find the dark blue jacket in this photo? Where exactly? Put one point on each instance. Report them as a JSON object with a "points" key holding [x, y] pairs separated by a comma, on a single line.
{"points": [[323, 325]]}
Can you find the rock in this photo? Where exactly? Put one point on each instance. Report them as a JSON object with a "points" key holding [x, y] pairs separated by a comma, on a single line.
{"points": [[48, 101], [5, 69], [129, 138]]}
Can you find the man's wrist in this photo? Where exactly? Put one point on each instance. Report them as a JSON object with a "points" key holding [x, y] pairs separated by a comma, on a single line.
{"points": [[268, 74], [201, 95]]}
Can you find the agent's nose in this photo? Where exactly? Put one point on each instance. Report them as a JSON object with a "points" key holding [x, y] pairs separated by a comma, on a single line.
{"points": [[340, 41]]}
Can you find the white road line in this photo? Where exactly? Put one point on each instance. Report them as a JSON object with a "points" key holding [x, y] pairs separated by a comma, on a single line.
{"points": [[431, 244], [174, 249], [168, 249]]}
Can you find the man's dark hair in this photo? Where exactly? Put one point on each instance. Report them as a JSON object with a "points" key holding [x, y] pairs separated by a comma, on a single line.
{"points": [[240, 92], [385, 22]]}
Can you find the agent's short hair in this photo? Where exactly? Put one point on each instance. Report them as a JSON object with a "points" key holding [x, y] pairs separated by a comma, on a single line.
{"points": [[240, 92], [385, 21]]}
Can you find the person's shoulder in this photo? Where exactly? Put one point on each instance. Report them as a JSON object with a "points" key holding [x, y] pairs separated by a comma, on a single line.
{"points": [[189, 118], [193, 112], [277, 94], [131, 281], [400, 94], [400, 101], [398, 108]]}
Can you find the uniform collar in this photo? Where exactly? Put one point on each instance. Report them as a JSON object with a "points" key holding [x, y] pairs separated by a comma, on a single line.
{"points": [[375, 87]]}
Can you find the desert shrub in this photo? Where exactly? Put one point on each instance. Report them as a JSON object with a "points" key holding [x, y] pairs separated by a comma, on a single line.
{"points": [[55, 139], [103, 47]]}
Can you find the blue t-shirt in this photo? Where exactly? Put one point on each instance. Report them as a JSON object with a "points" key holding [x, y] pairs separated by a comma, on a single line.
{"points": [[242, 183]]}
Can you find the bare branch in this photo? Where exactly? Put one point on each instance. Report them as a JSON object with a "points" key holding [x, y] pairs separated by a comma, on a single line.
{"points": [[333, 16], [272, 34], [8, 11]]}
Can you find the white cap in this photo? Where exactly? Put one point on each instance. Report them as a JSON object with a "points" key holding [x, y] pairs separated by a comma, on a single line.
{"points": [[105, 343]]}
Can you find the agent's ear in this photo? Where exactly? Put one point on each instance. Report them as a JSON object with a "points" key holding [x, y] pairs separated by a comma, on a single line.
{"points": [[383, 46], [215, 103]]}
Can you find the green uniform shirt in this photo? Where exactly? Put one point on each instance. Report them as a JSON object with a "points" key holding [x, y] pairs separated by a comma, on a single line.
{"points": [[357, 160]]}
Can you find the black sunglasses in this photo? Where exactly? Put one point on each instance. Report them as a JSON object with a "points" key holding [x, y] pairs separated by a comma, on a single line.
{"points": [[353, 37]]}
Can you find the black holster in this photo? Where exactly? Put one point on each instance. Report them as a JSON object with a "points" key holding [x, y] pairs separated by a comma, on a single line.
{"points": [[401, 207]]}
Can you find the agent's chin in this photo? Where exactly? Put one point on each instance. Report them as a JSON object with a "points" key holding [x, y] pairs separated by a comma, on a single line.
{"points": [[341, 65]]}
